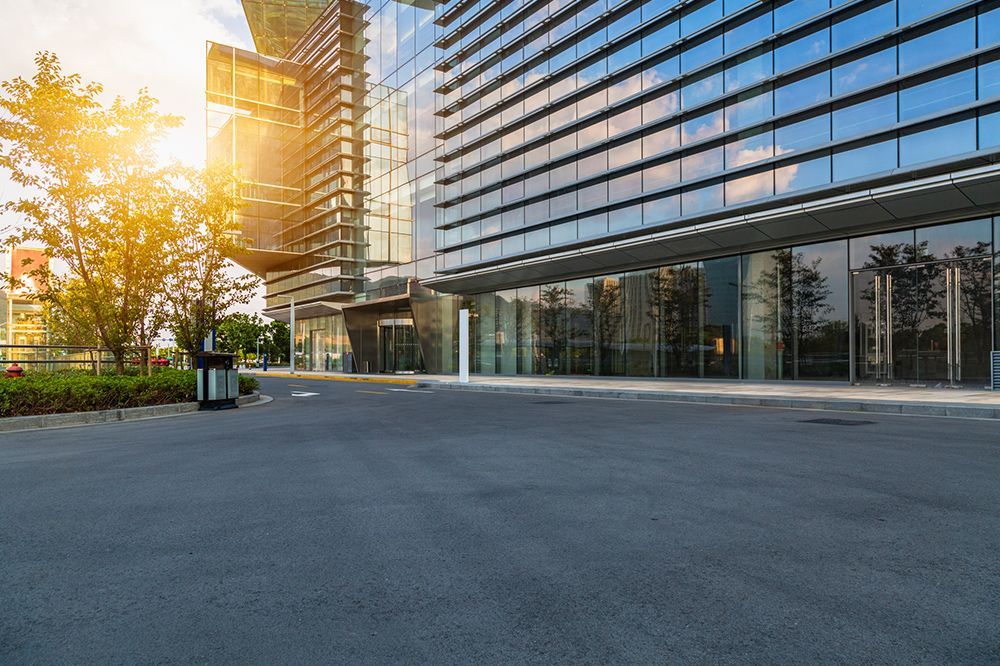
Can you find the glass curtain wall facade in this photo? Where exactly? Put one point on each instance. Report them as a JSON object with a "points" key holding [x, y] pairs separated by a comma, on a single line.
{"points": [[437, 155], [570, 121]]}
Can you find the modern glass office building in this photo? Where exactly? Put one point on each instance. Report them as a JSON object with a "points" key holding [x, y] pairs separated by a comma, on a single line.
{"points": [[800, 190]]}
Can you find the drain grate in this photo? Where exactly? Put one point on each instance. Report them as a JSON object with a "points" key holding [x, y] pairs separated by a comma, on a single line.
{"points": [[839, 422]]}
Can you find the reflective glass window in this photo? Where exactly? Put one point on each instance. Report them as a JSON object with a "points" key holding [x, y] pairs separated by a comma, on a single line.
{"points": [[703, 198], [623, 57], [660, 141], [661, 209], [625, 88], [989, 26], [659, 107], [562, 176], [659, 72], [536, 239], [749, 147], [863, 72], [703, 88], [748, 69], [740, 189], [625, 218], [891, 248], [512, 245], [591, 165], [938, 142], [594, 133], [592, 195], [748, 32], [749, 108], [592, 225], [802, 93], [864, 25], [699, 54], [562, 233], [864, 117], [625, 153], [802, 134], [536, 211], [624, 121], [659, 38], [864, 160], [702, 163], [562, 204], [802, 50], [803, 174], [796, 11], [942, 44], [989, 130], [659, 176], [702, 127], [820, 311], [491, 225], [956, 240], [732, 6], [989, 79], [914, 10], [623, 24], [625, 187], [697, 17], [937, 95], [491, 250]]}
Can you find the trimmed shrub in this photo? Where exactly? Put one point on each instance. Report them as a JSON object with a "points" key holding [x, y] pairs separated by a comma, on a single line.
{"points": [[58, 393]]}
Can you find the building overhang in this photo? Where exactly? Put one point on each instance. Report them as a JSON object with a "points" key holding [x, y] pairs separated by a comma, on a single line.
{"points": [[943, 197], [260, 262], [305, 311]]}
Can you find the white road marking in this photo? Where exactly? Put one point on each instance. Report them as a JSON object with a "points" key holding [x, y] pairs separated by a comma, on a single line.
{"points": [[409, 391], [302, 394]]}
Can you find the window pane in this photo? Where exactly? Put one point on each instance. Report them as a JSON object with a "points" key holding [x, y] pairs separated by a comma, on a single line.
{"points": [[803, 50], [989, 79], [695, 19], [819, 295], [702, 163], [989, 26], [867, 71], [699, 90], [802, 93], [749, 108], [802, 175], [936, 46], [956, 240], [534, 240], [748, 32], [939, 142], [580, 326], [748, 148], [914, 10], [864, 160], [562, 233], [659, 38], [865, 117], [937, 95], [796, 11], [989, 130], [801, 135], [699, 54], [748, 69], [749, 188], [660, 176], [661, 209], [863, 26], [593, 225], [702, 127], [704, 198], [660, 141]]}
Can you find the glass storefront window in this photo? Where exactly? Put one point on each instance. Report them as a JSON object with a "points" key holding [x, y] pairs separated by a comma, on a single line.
{"points": [[891, 248], [954, 241]]}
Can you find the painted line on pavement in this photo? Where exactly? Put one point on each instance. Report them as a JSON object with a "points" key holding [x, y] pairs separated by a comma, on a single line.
{"points": [[373, 392], [408, 391]]}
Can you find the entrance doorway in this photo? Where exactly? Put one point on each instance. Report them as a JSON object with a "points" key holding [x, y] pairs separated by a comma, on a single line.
{"points": [[399, 350], [925, 325]]}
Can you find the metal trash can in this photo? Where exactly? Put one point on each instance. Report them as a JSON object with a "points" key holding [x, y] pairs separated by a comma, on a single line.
{"points": [[218, 380]]}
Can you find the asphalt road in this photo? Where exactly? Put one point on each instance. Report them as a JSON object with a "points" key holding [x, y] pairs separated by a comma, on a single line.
{"points": [[363, 524]]}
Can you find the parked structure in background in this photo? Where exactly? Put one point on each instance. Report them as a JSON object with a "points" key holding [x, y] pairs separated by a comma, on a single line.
{"points": [[786, 189], [23, 319]]}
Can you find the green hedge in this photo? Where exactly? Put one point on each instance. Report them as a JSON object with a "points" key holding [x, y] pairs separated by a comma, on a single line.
{"points": [[56, 393]]}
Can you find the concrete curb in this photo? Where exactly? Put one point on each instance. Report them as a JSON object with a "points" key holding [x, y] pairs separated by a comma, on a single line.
{"points": [[830, 404], [345, 378], [16, 423]]}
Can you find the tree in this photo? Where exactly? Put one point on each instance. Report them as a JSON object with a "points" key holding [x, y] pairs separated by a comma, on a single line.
{"points": [[97, 201], [279, 338], [238, 333], [198, 291]]}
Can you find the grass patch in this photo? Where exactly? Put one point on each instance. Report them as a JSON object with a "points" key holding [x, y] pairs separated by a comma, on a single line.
{"points": [[63, 392]]}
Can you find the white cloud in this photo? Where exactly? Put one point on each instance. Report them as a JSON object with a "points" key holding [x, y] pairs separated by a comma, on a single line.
{"points": [[127, 45]]}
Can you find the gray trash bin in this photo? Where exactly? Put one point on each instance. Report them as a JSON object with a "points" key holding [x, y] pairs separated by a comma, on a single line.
{"points": [[218, 380]]}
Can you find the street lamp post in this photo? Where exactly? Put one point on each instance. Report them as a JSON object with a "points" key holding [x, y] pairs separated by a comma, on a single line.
{"points": [[291, 335]]}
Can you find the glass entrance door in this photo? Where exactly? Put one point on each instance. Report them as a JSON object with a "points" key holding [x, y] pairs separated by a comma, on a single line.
{"points": [[923, 325], [399, 350]]}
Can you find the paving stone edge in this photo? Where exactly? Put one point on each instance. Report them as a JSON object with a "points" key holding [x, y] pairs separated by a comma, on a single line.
{"points": [[830, 404]]}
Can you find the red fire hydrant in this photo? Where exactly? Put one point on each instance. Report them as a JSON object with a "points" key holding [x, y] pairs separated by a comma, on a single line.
{"points": [[13, 370]]}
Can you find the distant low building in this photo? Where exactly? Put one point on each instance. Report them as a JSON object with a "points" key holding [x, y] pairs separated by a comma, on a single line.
{"points": [[22, 319]]}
